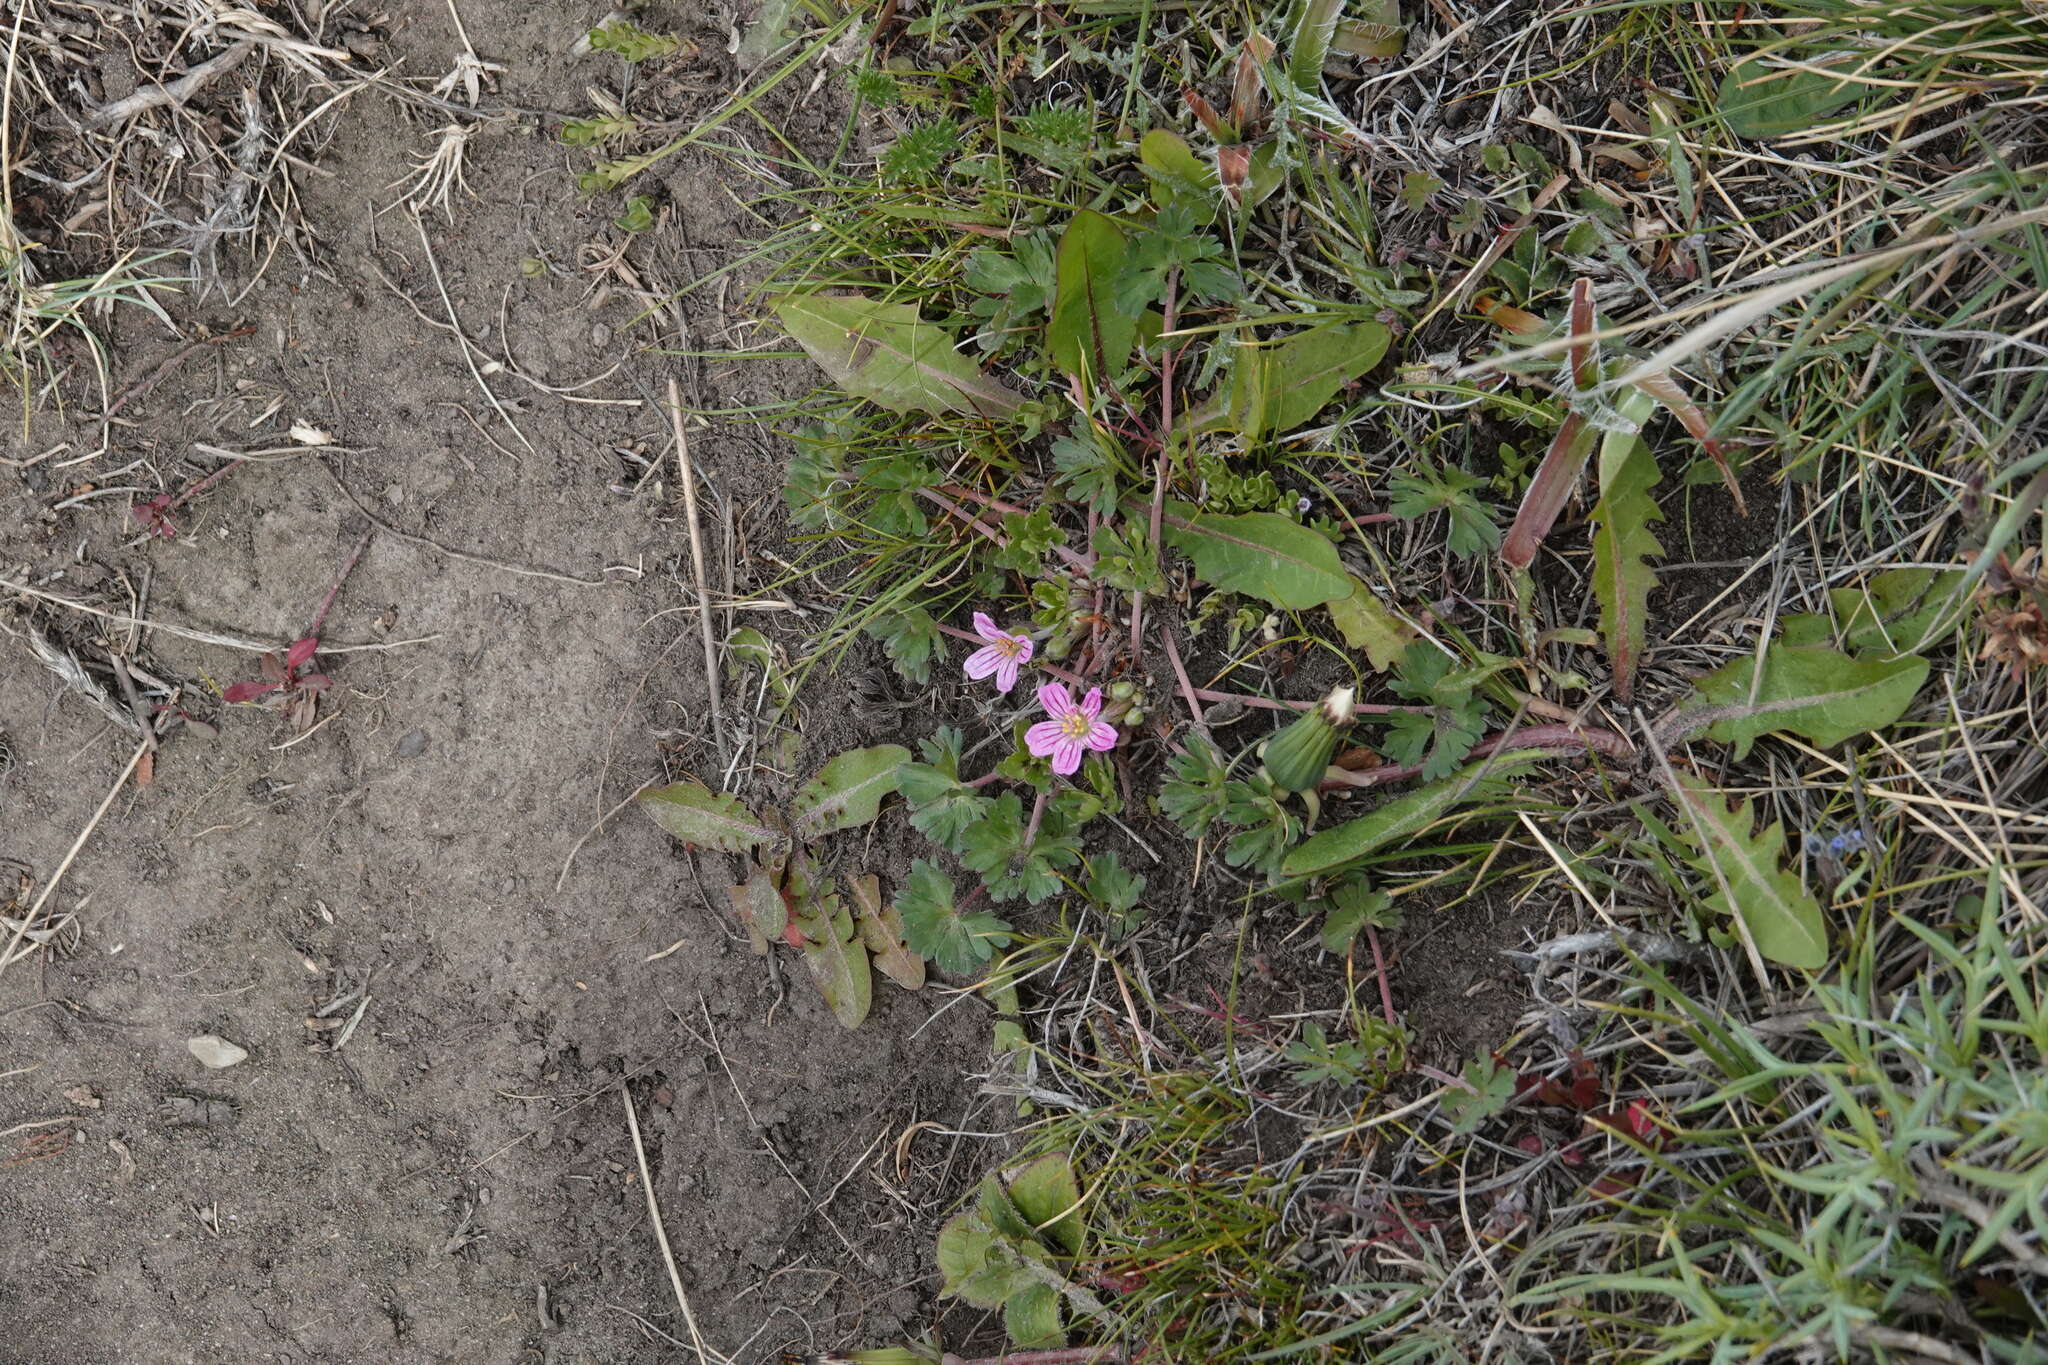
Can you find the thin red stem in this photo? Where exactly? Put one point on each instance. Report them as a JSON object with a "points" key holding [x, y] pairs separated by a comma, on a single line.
{"points": [[1187, 688], [198, 486], [1159, 466], [1071, 1355], [1266, 703], [1560, 739], [1379, 962], [320, 616], [1074, 561], [1037, 816]]}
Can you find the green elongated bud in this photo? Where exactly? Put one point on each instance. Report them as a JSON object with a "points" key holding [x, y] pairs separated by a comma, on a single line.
{"points": [[1296, 757]]}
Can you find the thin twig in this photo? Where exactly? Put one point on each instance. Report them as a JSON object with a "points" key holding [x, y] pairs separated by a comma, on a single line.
{"points": [[177, 92], [489, 563], [675, 1276], [1379, 963], [210, 637], [57, 877], [158, 375], [602, 821], [461, 338], [688, 476]]}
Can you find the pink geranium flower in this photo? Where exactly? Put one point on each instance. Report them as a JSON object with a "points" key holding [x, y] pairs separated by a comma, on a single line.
{"points": [[1002, 655], [1073, 729]]}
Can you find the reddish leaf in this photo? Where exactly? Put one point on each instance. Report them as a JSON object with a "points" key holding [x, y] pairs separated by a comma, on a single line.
{"points": [[155, 516], [1511, 320], [1206, 114], [1248, 88], [1120, 1281], [1582, 1091], [247, 691], [1637, 1122], [314, 682], [1548, 491], [301, 653], [1585, 352], [1234, 171], [1672, 396]]}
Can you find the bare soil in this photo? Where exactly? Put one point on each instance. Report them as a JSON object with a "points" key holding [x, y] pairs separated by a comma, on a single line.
{"points": [[456, 1181], [426, 1155]]}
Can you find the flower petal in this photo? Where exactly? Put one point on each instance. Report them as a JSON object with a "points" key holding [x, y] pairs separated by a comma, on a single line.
{"points": [[1091, 705], [983, 662], [1066, 760], [986, 628], [1023, 643], [1006, 672], [1102, 735], [1053, 697], [1046, 738]]}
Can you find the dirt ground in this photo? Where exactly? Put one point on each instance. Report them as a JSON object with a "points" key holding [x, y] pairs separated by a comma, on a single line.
{"points": [[425, 1155], [456, 1181]]}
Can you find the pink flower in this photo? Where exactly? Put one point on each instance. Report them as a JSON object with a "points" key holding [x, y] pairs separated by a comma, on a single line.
{"points": [[1003, 655], [1072, 729]]}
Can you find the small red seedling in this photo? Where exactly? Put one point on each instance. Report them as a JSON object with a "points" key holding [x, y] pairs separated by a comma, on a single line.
{"points": [[155, 515], [286, 681], [284, 673], [1582, 1093]]}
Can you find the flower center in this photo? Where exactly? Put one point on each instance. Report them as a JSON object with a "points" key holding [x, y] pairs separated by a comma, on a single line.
{"points": [[1076, 725], [1007, 647]]}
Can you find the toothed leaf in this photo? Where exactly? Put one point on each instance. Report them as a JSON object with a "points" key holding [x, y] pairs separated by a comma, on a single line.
{"points": [[1622, 545], [1751, 883]]}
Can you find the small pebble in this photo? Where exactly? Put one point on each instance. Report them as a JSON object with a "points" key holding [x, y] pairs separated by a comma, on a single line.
{"points": [[215, 1051], [413, 745]]}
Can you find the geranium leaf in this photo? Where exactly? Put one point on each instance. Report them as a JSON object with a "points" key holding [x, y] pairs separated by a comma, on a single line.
{"points": [[956, 940]]}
